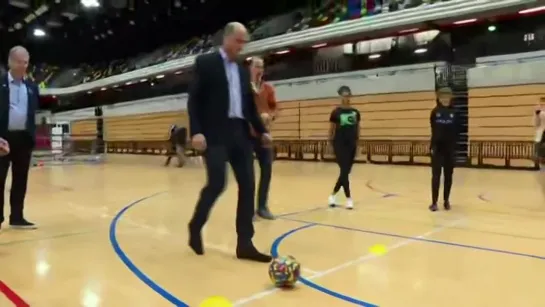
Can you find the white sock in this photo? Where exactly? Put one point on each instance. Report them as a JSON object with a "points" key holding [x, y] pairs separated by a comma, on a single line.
{"points": [[349, 203], [332, 199]]}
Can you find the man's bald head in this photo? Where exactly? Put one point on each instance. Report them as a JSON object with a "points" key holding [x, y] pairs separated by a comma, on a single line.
{"points": [[235, 37], [18, 59]]}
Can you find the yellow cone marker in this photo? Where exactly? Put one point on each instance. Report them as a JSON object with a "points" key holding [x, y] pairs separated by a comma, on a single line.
{"points": [[378, 249], [216, 301]]}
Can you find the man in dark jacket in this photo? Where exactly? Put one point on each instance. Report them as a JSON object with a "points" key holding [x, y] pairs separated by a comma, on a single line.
{"points": [[18, 104], [178, 140], [221, 109]]}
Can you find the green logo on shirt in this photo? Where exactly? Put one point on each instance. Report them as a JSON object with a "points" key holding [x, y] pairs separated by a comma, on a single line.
{"points": [[348, 119]]}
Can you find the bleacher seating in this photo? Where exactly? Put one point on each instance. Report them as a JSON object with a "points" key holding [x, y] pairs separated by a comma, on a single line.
{"points": [[330, 12], [140, 133], [85, 129], [395, 128], [503, 113]]}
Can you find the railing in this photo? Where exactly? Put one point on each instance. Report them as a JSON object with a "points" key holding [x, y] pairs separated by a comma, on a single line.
{"points": [[483, 154]]}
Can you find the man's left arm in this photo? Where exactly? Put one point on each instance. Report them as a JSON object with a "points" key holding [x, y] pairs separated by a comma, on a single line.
{"points": [[35, 103], [271, 101]]}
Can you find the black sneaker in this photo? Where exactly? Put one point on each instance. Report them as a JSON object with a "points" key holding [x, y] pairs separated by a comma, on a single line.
{"points": [[22, 224], [433, 207], [446, 205]]}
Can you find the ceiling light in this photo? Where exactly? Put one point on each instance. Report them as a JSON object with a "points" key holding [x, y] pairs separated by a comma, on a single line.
{"points": [[466, 21], [421, 50], [374, 56], [39, 33], [160, 76], [408, 30], [282, 52], [90, 3], [319, 45], [533, 10]]}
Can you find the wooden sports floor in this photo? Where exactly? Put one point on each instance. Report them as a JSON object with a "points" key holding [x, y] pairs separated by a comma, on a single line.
{"points": [[115, 235]]}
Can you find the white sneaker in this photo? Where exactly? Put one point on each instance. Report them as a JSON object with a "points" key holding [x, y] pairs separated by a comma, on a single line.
{"points": [[332, 201], [349, 204]]}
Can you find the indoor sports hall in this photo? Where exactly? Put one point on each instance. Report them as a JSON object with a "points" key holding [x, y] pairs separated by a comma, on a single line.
{"points": [[114, 226], [115, 235], [112, 80]]}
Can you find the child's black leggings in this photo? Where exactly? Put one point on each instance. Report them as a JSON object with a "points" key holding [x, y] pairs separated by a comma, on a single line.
{"points": [[345, 154], [442, 159]]}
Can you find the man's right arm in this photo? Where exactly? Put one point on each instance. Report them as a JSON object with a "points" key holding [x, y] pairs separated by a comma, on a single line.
{"points": [[194, 101], [432, 129]]}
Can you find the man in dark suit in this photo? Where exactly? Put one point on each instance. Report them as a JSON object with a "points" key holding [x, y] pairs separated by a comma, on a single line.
{"points": [[221, 109], [18, 104]]}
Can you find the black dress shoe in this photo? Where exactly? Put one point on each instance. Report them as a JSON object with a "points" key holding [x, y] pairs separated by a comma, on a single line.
{"points": [[265, 214], [195, 241], [446, 205], [249, 252], [22, 224], [433, 207]]}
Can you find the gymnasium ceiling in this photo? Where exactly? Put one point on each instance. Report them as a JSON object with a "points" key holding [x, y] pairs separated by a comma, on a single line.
{"points": [[118, 28]]}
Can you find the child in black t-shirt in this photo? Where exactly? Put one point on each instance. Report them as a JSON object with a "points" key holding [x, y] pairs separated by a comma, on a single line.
{"points": [[344, 133]]}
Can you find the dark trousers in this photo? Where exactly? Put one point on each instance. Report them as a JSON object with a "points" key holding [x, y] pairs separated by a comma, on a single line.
{"points": [[237, 150], [264, 157], [19, 158], [345, 153], [179, 152], [442, 160]]}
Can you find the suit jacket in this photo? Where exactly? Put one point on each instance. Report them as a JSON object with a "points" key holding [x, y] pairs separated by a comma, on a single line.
{"points": [[208, 102], [33, 102]]}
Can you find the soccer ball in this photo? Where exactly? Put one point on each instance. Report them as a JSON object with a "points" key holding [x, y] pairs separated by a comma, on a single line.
{"points": [[284, 271]]}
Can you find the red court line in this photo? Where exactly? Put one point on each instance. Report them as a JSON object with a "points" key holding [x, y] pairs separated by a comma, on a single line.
{"points": [[12, 296]]}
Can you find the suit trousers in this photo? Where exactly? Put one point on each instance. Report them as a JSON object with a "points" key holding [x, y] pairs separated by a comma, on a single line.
{"points": [[237, 150], [264, 156], [178, 151], [20, 143]]}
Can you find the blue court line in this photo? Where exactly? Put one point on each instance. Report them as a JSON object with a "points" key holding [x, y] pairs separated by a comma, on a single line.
{"points": [[386, 234], [130, 265], [309, 283], [141, 275]]}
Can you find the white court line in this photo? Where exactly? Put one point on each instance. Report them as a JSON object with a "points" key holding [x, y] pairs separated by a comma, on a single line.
{"points": [[309, 271], [367, 257], [160, 231]]}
